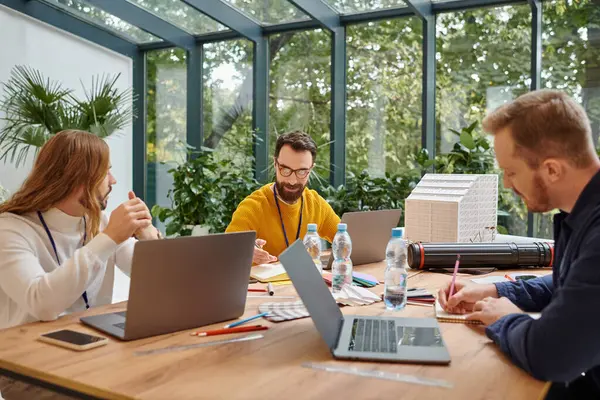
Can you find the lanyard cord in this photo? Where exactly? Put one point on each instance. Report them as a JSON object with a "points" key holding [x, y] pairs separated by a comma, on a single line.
{"points": [[84, 295]]}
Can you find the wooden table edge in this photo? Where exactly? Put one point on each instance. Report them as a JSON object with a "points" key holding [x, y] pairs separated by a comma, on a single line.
{"points": [[57, 383]]}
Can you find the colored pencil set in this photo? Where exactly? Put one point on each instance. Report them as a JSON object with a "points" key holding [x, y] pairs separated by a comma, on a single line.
{"points": [[235, 327]]}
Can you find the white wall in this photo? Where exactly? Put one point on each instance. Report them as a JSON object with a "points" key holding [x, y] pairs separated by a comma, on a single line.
{"points": [[72, 61]]}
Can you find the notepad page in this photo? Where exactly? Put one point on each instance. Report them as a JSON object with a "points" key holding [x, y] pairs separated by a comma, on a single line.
{"points": [[444, 316], [269, 272]]}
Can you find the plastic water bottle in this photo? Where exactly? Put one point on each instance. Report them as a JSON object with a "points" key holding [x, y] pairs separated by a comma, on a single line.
{"points": [[312, 243], [395, 272], [341, 269]]}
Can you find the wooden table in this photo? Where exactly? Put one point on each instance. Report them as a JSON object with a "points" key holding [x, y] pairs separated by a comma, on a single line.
{"points": [[266, 368]]}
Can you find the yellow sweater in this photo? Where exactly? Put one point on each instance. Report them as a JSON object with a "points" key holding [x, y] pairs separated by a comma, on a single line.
{"points": [[258, 212]]}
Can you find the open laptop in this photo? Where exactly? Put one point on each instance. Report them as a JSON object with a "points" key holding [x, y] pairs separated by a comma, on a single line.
{"points": [[370, 232], [182, 283], [374, 338]]}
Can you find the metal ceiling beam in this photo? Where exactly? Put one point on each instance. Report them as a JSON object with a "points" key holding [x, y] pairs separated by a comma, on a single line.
{"points": [[421, 8], [62, 20], [345, 19], [321, 12], [228, 16], [147, 21]]}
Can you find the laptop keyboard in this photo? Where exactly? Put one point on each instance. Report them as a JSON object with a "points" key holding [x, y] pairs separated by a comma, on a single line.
{"points": [[373, 335]]}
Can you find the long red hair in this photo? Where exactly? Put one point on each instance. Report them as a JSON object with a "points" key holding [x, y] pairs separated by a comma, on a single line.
{"points": [[70, 160]]}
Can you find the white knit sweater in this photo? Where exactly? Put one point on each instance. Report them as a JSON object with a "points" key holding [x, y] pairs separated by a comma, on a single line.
{"points": [[34, 287]]}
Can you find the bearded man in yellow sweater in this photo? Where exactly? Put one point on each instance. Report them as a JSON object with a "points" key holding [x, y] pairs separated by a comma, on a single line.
{"points": [[279, 212]]}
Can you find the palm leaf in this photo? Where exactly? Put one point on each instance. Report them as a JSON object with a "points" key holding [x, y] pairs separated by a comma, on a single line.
{"points": [[106, 109], [31, 99], [36, 108]]}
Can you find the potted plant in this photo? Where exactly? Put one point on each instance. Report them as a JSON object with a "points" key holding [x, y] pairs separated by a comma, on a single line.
{"points": [[204, 195], [36, 108]]}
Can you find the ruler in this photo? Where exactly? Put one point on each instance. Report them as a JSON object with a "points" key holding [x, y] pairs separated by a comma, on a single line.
{"points": [[197, 345], [371, 373]]}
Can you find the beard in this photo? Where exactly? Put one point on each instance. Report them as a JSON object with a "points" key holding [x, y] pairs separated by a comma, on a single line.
{"points": [[539, 202], [289, 193], [103, 200]]}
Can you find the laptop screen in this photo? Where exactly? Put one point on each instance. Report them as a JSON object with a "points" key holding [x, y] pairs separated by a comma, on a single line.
{"points": [[313, 291]]}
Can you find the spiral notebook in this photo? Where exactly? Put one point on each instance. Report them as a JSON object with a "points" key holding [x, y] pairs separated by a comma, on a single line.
{"points": [[444, 316]]}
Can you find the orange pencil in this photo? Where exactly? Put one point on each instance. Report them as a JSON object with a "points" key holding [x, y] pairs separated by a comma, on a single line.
{"points": [[510, 278], [225, 331], [258, 290]]}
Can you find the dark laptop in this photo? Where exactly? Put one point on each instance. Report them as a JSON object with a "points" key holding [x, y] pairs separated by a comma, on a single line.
{"points": [[182, 283], [374, 338]]}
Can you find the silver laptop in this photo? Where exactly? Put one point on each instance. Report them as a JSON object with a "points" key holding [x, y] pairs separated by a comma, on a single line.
{"points": [[370, 232], [182, 283], [361, 337]]}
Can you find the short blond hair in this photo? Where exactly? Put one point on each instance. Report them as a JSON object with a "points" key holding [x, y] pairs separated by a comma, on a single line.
{"points": [[545, 124]]}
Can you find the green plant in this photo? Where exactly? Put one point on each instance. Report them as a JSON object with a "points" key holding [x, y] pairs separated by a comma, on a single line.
{"points": [[363, 192], [3, 194], [36, 108], [205, 192], [470, 155]]}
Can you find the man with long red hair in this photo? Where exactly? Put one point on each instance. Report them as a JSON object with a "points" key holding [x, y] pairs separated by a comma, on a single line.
{"points": [[58, 250]]}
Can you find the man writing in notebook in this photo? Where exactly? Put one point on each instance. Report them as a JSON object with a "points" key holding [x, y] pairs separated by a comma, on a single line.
{"points": [[543, 143], [279, 212], [58, 249]]}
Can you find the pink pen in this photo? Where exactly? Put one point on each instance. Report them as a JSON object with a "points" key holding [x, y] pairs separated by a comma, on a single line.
{"points": [[454, 275]]}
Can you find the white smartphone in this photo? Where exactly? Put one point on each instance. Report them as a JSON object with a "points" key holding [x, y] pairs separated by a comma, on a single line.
{"points": [[73, 340]]}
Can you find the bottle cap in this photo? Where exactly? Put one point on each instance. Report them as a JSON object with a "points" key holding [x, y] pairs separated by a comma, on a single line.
{"points": [[397, 232], [342, 227], [312, 227]]}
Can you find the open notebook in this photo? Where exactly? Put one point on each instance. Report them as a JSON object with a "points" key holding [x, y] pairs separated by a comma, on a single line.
{"points": [[444, 316], [269, 273]]}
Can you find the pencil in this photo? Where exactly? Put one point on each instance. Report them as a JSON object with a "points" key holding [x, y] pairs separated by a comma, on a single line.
{"points": [[243, 321], [510, 278], [454, 275], [226, 331], [258, 290]]}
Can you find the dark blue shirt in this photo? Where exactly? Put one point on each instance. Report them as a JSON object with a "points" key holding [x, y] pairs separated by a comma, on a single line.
{"points": [[565, 341]]}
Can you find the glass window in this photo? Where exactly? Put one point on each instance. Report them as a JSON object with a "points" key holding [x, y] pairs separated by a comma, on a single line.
{"points": [[571, 63], [166, 120], [180, 14], [384, 75], [269, 12], [228, 93], [98, 17], [571, 53], [300, 90], [356, 6], [483, 61]]}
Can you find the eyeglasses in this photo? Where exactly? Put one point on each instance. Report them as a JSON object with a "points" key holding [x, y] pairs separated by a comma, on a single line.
{"points": [[286, 171]]}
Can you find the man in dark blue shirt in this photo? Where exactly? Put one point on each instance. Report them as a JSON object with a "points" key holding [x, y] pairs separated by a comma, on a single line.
{"points": [[543, 143]]}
